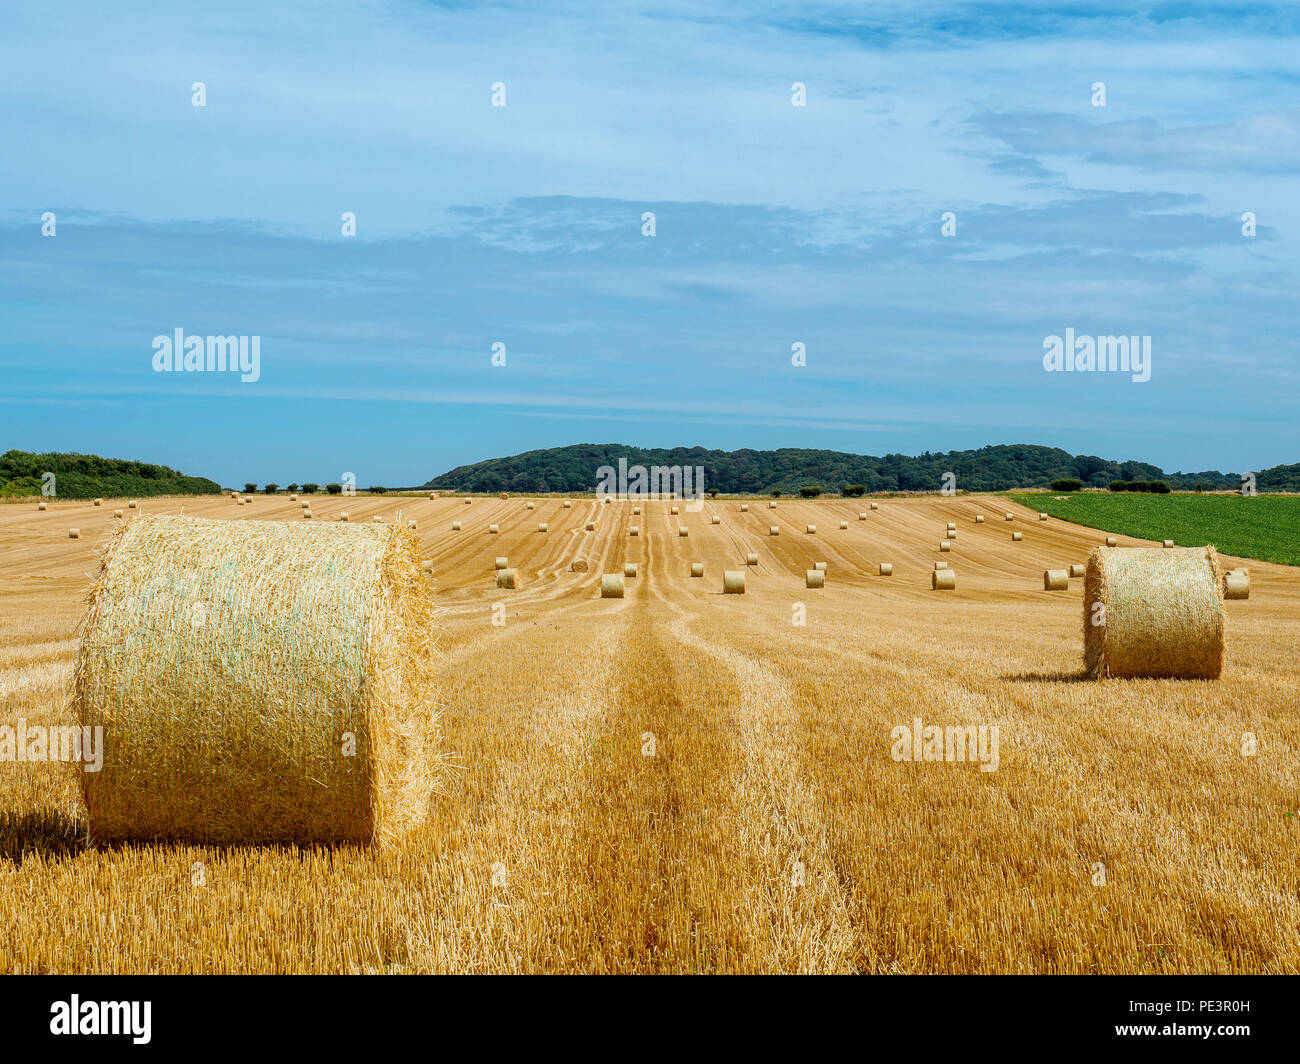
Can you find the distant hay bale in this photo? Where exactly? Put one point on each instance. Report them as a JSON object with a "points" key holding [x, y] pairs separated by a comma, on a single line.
{"points": [[532, 506], [715, 520], [99, 502], [944, 545], [455, 526], [293, 498], [1042, 517], [814, 578], [733, 582], [751, 558], [117, 514], [1111, 541], [259, 682], [611, 585], [811, 530], [1077, 571], [885, 569], [567, 504], [74, 533], [468, 501], [1016, 537], [820, 566], [951, 534], [771, 505], [952, 526], [979, 519], [579, 565], [629, 570], [744, 507], [697, 569], [1011, 517], [234, 495], [304, 504], [635, 530], [501, 563], [591, 526], [943, 580], [542, 526], [1168, 543], [410, 522], [41, 506], [508, 579], [1148, 611], [843, 525], [494, 530], [941, 565], [433, 494], [1055, 579], [503, 495], [636, 511], [132, 505], [1236, 584], [774, 530], [306, 515], [606, 501], [674, 509], [683, 532], [862, 515], [875, 506], [240, 502]]}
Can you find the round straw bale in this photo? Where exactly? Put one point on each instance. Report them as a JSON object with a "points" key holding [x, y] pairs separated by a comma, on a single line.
{"points": [[683, 531], [304, 504], [715, 520], [611, 585], [433, 494], [99, 502], [629, 570], [503, 495], [468, 501], [885, 569], [951, 534], [293, 498], [494, 530], [1148, 611], [697, 568], [532, 506], [579, 565], [1077, 571], [635, 530], [410, 523], [744, 507], [1016, 537], [943, 580], [774, 530], [944, 545], [74, 533], [567, 504], [952, 526], [862, 516], [132, 505], [875, 506], [1111, 541], [455, 526], [674, 509], [811, 530], [771, 505], [259, 682], [502, 563], [1011, 517], [1055, 579], [591, 526], [941, 565], [306, 515], [542, 526], [40, 506], [733, 582], [844, 525], [820, 565], [751, 558], [1236, 584], [979, 519], [607, 500], [240, 502], [814, 578], [636, 511], [1042, 517], [1169, 543], [508, 579], [117, 513]]}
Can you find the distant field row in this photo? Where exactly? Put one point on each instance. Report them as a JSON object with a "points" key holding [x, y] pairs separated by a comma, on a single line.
{"points": [[1262, 526]]}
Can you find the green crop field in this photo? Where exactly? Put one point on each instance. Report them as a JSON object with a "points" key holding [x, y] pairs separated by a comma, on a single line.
{"points": [[1266, 527]]}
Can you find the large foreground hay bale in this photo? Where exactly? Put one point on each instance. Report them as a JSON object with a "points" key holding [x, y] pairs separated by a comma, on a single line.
{"points": [[259, 682], [1055, 580], [611, 585], [943, 580], [814, 578], [885, 569], [508, 579], [1236, 584], [733, 582], [1148, 611]]}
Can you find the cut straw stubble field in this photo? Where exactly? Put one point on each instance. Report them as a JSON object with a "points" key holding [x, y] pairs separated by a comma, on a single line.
{"points": [[559, 844]]}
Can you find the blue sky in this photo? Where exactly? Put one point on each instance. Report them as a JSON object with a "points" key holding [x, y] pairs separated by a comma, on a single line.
{"points": [[522, 225]]}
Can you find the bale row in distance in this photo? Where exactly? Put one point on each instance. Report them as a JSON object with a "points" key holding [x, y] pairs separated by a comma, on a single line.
{"points": [[259, 682]]}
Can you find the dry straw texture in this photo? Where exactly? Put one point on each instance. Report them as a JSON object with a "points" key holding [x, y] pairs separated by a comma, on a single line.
{"points": [[733, 582], [611, 585], [1077, 571], [1055, 580], [227, 662], [508, 579], [1162, 613], [815, 578], [943, 580], [1236, 585], [885, 569]]}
